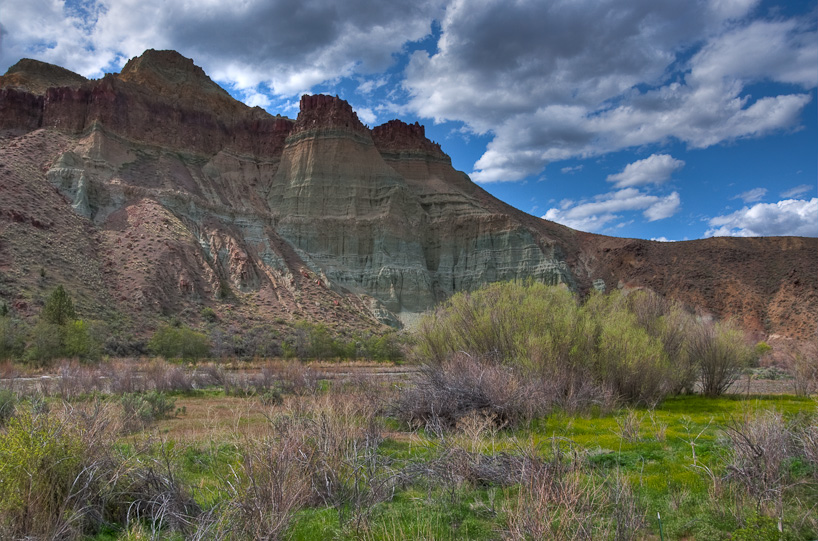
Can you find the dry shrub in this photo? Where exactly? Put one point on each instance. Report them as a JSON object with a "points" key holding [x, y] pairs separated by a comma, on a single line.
{"points": [[628, 426], [322, 451], [297, 377], [463, 384], [74, 379], [122, 376], [760, 449], [808, 440], [563, 499], [802, 363], [163, 376], [273, 481]]}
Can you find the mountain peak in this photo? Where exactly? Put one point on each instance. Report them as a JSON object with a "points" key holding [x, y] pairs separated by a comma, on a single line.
{"points": [[163, 71], [322, 111], [36, 76], [396, 136]]}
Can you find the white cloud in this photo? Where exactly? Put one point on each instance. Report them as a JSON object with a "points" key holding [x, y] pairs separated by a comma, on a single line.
{"points": [[751, 196], [289, 45], [571, 170], [605, 208], [796, 191], [544, 80], [797, 217], [366, 115], [656, 169]]}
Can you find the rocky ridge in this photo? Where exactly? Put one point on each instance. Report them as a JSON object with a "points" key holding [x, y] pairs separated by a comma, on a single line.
{"points": [[153, 193]]}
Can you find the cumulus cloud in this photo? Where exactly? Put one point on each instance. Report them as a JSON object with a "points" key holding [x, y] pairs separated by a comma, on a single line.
{"points": [[598, 213], [751, 196], [797, 217], [286, 45], [544, 79], [656, 169]]}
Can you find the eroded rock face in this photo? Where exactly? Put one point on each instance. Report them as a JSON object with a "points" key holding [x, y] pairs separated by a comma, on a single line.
{"points": [[178, 197]]}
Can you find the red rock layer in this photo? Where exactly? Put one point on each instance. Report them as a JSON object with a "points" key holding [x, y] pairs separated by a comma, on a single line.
{"points": [[397, 135]]}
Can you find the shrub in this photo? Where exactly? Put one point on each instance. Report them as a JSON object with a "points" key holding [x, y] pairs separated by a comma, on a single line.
{"points": [[802, 363], [721, 352], [578, 355], [179, 342], [8, 404], [79, 340], [64, 477], [463, 385], [12, 337], [46, 342], [385, 347], [142, 409]]}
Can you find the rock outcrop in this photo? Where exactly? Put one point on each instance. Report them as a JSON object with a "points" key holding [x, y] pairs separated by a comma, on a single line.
{"points": [[152, 192]]}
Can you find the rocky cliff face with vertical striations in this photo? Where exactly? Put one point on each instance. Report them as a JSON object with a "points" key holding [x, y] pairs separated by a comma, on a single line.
{"points": [[153, 193]]}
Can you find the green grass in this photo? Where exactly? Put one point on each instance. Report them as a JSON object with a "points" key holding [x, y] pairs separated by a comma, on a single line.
{"points": [[657, 461]]}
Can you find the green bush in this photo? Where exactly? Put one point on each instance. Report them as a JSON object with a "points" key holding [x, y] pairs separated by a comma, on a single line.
{"points": [[721, 352], [8, 404], [12, 338], [79, 341], [146, 408], [45, 342], [173, 342], [542, 331]]}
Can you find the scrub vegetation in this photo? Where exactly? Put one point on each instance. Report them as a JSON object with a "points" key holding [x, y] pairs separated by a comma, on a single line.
{"points": [[524, 415]]}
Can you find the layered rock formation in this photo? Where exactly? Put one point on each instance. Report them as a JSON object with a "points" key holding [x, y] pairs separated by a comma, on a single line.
{"points": [[153, 193]]}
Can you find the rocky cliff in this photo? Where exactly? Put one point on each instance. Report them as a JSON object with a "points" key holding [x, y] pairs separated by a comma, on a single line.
{"points": [[154, 193]]}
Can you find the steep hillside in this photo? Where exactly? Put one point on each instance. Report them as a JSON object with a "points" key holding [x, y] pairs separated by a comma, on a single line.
{"points": [[153, 193]]}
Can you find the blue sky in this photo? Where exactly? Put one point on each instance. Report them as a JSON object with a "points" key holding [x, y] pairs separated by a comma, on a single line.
{"points": [[638, 118]]}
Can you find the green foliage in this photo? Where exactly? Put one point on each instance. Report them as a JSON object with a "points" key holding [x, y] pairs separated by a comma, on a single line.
{"points": [[80, 342], [59, 308], [179, 342], [542, 331], [8, 404], [720, 351], [383, 347], [39, 461], [12, 337], [45, 342], [209, 315], [147, 408]]}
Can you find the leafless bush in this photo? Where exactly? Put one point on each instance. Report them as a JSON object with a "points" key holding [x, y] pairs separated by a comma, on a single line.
{"points": [[628, 426], [448, 391], [575, 391], [298, 378], [802, 363], [759, 450], [163, 376], [808, 439], [210, 374], [561, 499], [75, 379], [122, 376], [273, 481], [321, 451]]}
